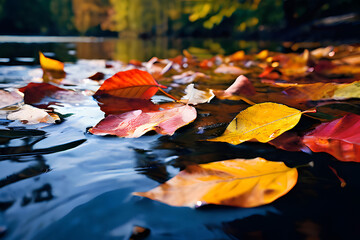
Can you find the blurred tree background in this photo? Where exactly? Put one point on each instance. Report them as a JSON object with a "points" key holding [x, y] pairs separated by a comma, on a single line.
{"points": [[179, 18]]}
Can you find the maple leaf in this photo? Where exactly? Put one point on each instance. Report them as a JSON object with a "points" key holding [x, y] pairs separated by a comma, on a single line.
{"points": [[130, 84]]}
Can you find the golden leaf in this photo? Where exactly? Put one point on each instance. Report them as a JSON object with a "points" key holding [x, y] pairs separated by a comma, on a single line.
{"points": [[263, 122], [236, 182]]}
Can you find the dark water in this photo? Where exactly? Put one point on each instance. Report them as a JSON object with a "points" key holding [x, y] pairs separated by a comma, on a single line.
{"points": [[60, 182]]}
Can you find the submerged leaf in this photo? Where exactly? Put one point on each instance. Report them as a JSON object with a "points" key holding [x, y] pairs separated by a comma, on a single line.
{"points": [[263, 122], [136, 123], [237, 182], [340, 138], [130, 84], [227, 69]]}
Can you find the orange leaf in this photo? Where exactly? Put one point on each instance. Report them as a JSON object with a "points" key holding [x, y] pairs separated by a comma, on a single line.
{"points": [[50, 64], [340, 138], [136, 123], [130, 84], [236, 182]]}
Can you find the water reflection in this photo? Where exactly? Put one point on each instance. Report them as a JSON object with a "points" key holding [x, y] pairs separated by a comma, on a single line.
{"points": [[19, 51]]}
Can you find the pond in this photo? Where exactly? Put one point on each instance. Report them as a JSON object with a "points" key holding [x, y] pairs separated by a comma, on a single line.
{"points": [[61, 182]]}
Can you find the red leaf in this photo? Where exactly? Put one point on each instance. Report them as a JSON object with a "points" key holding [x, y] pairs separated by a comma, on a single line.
{"points": [[340, 138], [242, 85], [136, 123], [130, 84]]}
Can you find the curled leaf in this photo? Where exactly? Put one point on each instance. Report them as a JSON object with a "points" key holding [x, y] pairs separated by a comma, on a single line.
{"points": [[50, 64], [340, 138], [136, 123], [194, 96], [236, 182], [263, 122], [130, 84]]}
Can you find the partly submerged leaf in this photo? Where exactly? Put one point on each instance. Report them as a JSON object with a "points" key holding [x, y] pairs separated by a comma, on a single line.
{"points": [[136, 123], [50, 64], [263, 122], [35, 93], [9, 98], [194, 96], [237, 182], [130, 84], [31, 115], [340, 138]]}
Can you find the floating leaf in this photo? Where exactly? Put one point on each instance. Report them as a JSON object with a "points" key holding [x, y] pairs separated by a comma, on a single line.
{"points": [[340, 138], [130, 84], [50, 64], [237, 182], [263, 122], [31, 115], [136, 123], [194, 96]]}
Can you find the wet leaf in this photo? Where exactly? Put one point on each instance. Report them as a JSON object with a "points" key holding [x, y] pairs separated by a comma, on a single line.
{"points": [[130, 84], [31, 115], [236, 182], [263, 122], [136, 123], [195, 96], [340, 138], [97, 76]]}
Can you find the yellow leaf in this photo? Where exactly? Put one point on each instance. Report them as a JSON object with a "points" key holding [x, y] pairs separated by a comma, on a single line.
{"points": [[236, 182], [50, 64], [263, 122]]}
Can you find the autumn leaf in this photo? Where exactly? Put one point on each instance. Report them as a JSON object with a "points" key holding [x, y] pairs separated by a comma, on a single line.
{"points": [[340, 138], [263, 122], [31, 115], [50, 64], [136, 123], [236, 182], [130, 84], [195, 96]]}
